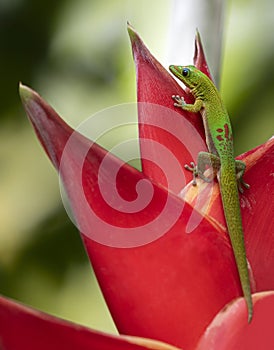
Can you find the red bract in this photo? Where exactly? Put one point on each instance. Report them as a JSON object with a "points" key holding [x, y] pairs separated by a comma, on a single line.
{"points": [[23, 328], [166, 269], [229, 329]]}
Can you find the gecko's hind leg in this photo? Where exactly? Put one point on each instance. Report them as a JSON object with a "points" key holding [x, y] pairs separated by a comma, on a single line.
{"points": [[240, 170], [205, 160], [193, 168]]}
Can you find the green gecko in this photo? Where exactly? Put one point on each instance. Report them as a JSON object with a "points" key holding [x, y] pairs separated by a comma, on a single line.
{"points": [[229, 171]]}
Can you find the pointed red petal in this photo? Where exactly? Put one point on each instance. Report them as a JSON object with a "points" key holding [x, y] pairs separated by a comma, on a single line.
{"points": [[230, 330], [169, 289], [199, 56], [47, 124], [27, 329], [154, 84], [178, 131]]}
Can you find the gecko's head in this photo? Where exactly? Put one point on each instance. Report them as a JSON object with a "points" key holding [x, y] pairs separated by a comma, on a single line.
{"points": [[189, 75]]}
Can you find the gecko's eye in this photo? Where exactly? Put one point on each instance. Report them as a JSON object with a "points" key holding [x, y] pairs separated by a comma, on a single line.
{"points": [[185, 72]]}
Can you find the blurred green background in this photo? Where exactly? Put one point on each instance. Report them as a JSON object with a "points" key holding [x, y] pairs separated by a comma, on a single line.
{"points": [[78, 57]]}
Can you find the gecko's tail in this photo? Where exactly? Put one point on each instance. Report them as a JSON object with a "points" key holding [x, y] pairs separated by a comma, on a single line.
{"points": [[231, 205], [249, 303], [244, 277]]}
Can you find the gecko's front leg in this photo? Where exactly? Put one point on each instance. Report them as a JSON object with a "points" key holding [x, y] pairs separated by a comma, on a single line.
{"points": [[178, 101], [194, 108]]}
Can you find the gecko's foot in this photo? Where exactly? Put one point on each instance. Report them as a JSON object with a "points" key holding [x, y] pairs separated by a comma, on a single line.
{"points": [[241, 184], [179, 101], [193, 169]]}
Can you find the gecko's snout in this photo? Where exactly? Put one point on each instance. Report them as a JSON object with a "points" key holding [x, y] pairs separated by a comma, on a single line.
{"points": [[174, 69]]}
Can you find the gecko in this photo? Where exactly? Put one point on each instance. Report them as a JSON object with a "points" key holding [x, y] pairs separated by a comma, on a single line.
{"points": [[220, 159]]}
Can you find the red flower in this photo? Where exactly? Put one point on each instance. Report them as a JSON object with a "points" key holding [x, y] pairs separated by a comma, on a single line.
{"points": [[159, 249]]}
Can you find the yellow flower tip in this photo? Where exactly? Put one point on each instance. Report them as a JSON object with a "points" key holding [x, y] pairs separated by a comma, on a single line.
{"points": [[132, 32], [25, 92]]}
